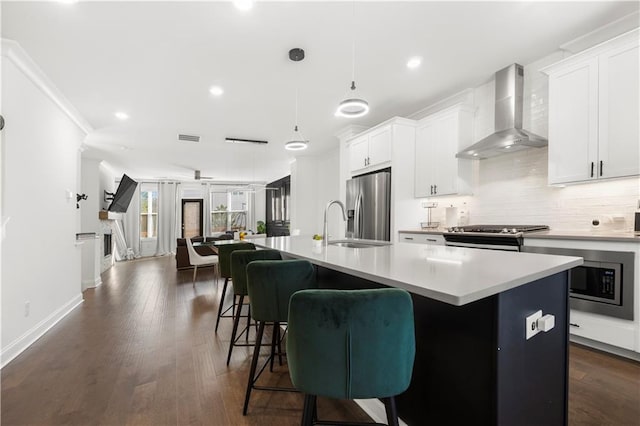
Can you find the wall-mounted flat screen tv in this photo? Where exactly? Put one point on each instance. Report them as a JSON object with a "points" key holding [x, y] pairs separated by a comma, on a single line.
{"points": [[123, 195]]}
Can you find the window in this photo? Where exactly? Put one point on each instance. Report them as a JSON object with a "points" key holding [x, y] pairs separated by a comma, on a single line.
{"points": [[148, 211], [229, 211]]}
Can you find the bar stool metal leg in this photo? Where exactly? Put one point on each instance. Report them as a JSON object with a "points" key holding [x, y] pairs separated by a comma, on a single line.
{"points": [[236, 321], [274, 340], [254, 365], [221, 313], [390, 408], [308, 410]]}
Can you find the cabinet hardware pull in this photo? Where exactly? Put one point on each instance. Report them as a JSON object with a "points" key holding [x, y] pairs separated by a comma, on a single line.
{"points": [[431, 189], [408, 238], [429, 239], [592, 169], [574, 325], [600, 167], [435, 189]]}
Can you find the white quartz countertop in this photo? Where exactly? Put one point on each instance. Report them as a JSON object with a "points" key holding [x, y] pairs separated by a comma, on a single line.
{"points": [[449, 274]]}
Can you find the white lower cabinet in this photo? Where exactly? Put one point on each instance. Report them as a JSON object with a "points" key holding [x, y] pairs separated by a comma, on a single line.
{"points": [[609, 330], [420, 238], [612, 331]]}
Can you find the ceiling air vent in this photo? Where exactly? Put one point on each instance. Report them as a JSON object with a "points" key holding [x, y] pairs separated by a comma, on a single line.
{"points": [[188, 138]]}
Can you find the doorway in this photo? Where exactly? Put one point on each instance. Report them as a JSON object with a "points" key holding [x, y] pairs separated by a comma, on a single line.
{"points": [[192, 219]]}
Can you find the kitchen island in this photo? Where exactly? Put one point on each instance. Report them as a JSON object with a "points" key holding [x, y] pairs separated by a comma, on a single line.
{"points": [[473, 363]]}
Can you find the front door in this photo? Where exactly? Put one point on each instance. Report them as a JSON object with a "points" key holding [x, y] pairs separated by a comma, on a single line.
{"points": [[191, 218]]}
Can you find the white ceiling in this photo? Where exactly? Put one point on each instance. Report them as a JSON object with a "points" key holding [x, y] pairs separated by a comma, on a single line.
{"points": [[157, 60]]}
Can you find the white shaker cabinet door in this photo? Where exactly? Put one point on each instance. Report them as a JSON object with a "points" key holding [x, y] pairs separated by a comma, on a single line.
{"points": [[380, 146], [445, 163], [426, 134], [359, 153], [619, 133], [573, 123]]}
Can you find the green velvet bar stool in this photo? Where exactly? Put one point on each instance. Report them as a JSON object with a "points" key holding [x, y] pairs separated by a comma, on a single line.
{"points": [[239, 261], [270, 285], [224, 265], [351, 344]]}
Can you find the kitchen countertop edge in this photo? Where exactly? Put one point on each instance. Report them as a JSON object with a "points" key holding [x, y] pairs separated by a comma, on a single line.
{"points": [[410, 284]]}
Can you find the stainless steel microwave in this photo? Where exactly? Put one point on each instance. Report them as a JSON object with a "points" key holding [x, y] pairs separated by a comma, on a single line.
{"points": [[597, 281], [603, 284]]}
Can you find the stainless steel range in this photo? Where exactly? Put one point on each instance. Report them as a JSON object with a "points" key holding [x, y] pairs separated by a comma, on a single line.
{"points": [[494, 237]]}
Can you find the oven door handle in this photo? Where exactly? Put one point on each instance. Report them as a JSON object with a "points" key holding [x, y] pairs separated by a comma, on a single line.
{"points": [[483, 246]]}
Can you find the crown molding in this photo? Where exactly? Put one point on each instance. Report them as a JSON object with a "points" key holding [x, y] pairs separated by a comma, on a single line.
{"points": [[629, 38], [12, 51], [349, 131]]}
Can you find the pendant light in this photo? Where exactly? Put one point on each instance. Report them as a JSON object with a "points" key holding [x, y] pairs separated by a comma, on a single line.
{"points": [[353, 106], [297, 142]]}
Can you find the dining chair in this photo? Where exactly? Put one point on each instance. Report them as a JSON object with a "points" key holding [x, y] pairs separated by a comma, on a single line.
{"points": [[199, 260]]}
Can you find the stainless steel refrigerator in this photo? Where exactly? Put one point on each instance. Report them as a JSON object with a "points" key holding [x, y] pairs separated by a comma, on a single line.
{"points": [[369, 206]]}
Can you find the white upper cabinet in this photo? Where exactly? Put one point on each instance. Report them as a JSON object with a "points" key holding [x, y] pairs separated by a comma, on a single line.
{"points": [[380, 146], [619, 130], [594, 113], [371, 150], [358, 153], [438, 138]]}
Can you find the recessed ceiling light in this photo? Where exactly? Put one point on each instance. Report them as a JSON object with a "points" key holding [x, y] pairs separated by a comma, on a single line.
{"points": [[216, 90], [414, 62], [243, 4], [68, 1], [121, 115]]}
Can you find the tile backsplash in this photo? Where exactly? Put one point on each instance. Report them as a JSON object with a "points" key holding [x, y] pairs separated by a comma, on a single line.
{"points": [[512, 189]]}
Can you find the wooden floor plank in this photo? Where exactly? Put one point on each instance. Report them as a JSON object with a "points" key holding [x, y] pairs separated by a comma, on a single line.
{"points": [[141, 350]]}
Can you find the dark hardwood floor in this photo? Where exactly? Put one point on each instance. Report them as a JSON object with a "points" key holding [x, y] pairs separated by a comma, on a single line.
{"points": [[603, 389], [141, 351]]}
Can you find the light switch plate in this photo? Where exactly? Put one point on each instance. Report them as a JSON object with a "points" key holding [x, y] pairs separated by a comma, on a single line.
{"points": [[531, 324]]}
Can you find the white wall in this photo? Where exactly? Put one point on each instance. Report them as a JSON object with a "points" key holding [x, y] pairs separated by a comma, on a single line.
{"points": [[40, 171], [314, 182], [90, 185], [107, 182], [406, 211], [513, 189]]}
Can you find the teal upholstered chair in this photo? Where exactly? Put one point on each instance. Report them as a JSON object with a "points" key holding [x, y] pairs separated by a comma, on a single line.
{"points": [[239, 261], [270, 285], [224, 264], [351, 344]]}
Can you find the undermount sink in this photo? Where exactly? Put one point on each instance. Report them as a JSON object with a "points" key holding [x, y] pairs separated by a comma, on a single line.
{"points": [[358, 243]]}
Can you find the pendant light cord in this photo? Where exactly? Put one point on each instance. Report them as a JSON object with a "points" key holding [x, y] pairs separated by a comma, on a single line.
{"points": [[353, 47], [297, 89]]}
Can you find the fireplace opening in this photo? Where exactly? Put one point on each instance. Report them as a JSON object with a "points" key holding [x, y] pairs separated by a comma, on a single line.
{"points": [[107, 245]]}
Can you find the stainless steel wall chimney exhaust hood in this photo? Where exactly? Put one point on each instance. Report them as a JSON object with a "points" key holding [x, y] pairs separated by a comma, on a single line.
{"points": [[509, 136]]}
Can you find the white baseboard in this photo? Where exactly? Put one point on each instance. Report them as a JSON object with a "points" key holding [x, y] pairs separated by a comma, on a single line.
{"points": [[16, 347], [91, 283], [375, 409]]}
